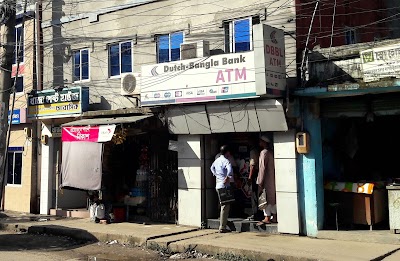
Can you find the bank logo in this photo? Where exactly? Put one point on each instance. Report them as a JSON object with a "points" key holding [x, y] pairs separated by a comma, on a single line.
{"points": [[201, 92], [167, 94], [154, 71], [273, 37], [213, 91], [178, 94], [225, 89], [157, 95]]}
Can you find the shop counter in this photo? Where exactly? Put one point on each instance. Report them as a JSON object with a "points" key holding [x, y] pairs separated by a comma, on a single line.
{"points": [[362, 203]]}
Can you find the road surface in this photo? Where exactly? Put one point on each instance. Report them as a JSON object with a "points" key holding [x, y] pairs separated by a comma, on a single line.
{"points": [[20, 247]]}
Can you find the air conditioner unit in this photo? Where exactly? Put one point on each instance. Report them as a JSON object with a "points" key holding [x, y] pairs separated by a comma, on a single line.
{"points": [[130, 84], [195, 50]]}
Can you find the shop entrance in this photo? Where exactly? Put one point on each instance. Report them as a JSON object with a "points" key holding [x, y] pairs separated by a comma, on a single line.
{"points": [[241, 144], [140, 181], [358, 162]]}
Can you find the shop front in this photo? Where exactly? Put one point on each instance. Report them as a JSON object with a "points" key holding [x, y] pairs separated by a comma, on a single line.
{"points": [[123, 163], [50, 109], [357, 136]]}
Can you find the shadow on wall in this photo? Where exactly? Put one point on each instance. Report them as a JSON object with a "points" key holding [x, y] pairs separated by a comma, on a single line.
{"points": [[59, 47]]}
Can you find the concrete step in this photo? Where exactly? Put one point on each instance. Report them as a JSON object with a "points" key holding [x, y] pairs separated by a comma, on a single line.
{"points": [[74, 213], [165, 241], [243, 225]]}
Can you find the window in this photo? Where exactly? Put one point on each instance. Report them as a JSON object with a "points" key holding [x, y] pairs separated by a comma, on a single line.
{"points": [[19, 85], [120, 58], [19, 44], [169, 47], [350, 36], [239, 34], [14, 166], [81, 65]]}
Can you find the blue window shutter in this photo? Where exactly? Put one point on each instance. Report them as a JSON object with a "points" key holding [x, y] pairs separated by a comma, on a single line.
{"points": [[242, 35], [85, 64], [126, 57], [77, 66], [176, 40], [163, 48], [114, 60]]}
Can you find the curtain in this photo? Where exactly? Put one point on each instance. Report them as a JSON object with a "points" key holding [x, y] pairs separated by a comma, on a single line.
{"points": [[81, 165]]}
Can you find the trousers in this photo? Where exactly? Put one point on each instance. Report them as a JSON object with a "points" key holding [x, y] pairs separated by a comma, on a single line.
{"points": [[270, 210], [224, 216]]}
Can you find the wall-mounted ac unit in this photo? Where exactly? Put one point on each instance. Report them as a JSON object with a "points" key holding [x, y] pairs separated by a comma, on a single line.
{"points": [[197, 49], [130, 84]]}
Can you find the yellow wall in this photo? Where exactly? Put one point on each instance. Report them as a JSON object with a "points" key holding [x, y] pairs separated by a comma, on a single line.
{"points": [[18, 197]]}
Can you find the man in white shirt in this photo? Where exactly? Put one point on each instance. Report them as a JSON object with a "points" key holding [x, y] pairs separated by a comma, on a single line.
{"points": [[222, 170]]}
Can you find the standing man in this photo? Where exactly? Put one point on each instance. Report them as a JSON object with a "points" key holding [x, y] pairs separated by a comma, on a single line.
{"points": [[266, 180], [222, 170], [253, 175]]}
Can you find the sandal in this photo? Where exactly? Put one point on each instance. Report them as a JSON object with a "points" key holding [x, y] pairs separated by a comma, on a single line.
{"points": [[263, 222]]}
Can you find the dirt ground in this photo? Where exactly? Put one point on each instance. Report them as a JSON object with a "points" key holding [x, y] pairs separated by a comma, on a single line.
{"points": [[49, 248]]}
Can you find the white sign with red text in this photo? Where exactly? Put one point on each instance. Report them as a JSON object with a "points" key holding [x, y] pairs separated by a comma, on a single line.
{"points": [[269, 42], [218, 77], [102, 133]]}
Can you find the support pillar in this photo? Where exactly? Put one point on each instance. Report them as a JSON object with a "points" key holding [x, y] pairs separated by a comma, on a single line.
{"points": [[311, 174], [190, 173], [46, 178]]}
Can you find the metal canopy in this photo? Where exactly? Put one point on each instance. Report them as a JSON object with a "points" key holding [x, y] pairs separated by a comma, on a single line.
{"points": [[107, 121], [225, 117]]}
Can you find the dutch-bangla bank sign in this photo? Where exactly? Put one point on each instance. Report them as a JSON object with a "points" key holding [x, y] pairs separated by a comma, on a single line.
{"points": [[219, 77]]}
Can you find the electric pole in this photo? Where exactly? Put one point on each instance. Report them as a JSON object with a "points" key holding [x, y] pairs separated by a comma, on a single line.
{"points": [[8, 43]]}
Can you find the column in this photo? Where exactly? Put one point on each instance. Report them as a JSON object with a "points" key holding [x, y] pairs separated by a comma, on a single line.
{"points": [[46, 173], [190, 173], [311, 174], [286, 182]]}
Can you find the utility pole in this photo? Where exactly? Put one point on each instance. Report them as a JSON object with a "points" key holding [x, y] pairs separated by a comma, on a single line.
{"points": [[7, 16]]}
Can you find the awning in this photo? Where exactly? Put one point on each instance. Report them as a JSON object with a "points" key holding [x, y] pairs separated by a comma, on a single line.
{"points": [[107, 121], [224, 117]]}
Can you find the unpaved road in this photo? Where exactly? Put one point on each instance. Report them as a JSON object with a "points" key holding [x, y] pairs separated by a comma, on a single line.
{"points": [[20, 247]]}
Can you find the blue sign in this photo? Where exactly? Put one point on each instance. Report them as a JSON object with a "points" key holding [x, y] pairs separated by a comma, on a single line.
{"points": [[16, 119]]}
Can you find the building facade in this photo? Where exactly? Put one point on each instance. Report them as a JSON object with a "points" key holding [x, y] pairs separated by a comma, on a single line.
{"points": [[349, 95], [21, 193], [203, 68]]}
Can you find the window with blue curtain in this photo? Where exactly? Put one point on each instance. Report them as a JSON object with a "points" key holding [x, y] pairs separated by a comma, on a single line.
{"points": [[238, 34], [168, 47], [81, 65], [242, 33], [120, 58]]}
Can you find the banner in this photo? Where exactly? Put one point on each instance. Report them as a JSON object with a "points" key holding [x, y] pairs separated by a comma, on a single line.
{"points": [[87, 133]]}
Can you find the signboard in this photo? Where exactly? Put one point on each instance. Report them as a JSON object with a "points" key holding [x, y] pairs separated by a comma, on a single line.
{"points": [[56, 132], [16, 117], [219, 77], [88, 134], [270, 65], [382, 62], [66, 102]]}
